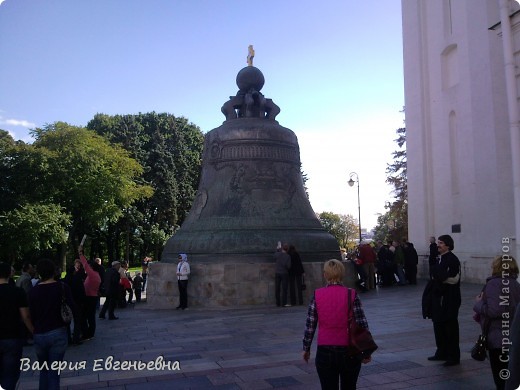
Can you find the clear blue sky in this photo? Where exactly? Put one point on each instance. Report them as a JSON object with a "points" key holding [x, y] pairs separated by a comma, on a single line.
{"points": [[333, 66]]}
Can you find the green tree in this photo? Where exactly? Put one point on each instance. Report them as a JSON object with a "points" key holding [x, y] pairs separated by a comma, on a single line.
{"points": [[170, 150], [33, 227], [393, 225], [343, 227], [5, 140], [75, 171]]}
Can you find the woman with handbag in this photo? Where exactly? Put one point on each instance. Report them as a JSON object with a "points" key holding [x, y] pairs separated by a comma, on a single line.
{"points": [[50, 329], [495, 307], [336, 309]]}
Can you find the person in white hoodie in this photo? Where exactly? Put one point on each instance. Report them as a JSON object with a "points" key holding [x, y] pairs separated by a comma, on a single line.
{"points": [[183, 271]]}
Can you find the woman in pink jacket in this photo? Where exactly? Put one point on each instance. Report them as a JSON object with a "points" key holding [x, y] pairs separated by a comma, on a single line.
{"points": [[91, 284], [329, 307]]}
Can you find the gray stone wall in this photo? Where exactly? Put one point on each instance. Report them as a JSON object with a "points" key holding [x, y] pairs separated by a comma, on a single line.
{"points": [[226, 284]]}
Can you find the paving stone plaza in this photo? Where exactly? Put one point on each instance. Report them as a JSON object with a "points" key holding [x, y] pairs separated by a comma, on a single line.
{"points": [[260, 348]]}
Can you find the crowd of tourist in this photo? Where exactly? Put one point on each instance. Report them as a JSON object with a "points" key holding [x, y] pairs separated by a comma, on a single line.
{"points": [[32, 306], [382, 264], [31, 310]]}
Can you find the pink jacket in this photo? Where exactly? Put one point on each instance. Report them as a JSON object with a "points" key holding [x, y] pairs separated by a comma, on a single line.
{"points": [[93, 279], [332, 307]]}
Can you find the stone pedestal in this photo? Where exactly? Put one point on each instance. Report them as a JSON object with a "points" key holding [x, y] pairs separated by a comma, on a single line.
{"points": [[227, 284]]}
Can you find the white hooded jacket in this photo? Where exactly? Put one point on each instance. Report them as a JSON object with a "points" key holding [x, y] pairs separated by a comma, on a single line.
{"points": [[183, 268]]}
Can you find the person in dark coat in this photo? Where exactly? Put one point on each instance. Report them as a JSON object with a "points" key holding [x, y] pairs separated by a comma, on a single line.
{"points": [[445, 303], [434, 252], [385, 265], [111, 284], [296, 273], [50, 331], [282, 265], [74, 278], [411, 259], [14, 308]]}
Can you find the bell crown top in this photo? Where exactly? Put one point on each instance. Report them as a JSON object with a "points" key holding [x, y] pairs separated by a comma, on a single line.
{"points": [[249, 102]]}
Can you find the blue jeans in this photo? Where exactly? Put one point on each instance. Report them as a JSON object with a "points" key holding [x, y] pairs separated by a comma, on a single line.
{"points": [[10, 355], [50, 347], [334, 364]]}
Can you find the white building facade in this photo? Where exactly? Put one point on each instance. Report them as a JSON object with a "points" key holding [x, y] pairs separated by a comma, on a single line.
{"points": [[461, 179]]}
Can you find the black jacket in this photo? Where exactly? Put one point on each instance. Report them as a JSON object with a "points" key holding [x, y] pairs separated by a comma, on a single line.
{"points": [[445, 297], [111, 282], [434, 252], [296, 264]]}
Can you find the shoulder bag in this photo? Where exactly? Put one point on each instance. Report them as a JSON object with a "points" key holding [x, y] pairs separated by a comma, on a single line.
{"points": [[65, 310], [478, 352], [361, 340]]}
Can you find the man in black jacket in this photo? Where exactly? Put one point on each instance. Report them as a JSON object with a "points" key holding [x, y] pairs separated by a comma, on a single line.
{"points": [[111, 285], [445, 303]]}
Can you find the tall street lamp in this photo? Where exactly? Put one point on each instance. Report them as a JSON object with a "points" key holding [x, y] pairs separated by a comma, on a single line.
{"points": [[351, 183]]}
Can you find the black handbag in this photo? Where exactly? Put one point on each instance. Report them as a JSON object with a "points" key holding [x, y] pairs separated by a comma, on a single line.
{"points": [[361, 340], [478, 352], [65, 310]]}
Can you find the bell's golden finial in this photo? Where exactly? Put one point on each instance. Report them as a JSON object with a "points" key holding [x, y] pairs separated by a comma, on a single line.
{"points": [[250, 55]]}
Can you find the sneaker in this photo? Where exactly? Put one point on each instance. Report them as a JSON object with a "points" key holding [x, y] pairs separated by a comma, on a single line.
{"points": [[287, 305]]}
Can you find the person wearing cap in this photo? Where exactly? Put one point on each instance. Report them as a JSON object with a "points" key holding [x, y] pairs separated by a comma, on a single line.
{"points": [[183, 271], [111, 283], [445, 303]]}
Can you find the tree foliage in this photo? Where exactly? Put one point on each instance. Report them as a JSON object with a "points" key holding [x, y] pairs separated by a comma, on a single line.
{"points": [[170, 151], [74, 175], [33, 227], [393, 225], [343, 227]]}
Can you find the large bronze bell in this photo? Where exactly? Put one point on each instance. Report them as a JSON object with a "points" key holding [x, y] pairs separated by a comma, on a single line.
{"points": [[251, 192]]}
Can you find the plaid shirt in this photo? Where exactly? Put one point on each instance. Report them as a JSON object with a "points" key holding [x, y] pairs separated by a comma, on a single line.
{"points": [[312, 319]]}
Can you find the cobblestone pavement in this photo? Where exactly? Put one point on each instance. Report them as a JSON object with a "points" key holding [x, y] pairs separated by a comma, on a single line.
{"points": [[260, 348]]}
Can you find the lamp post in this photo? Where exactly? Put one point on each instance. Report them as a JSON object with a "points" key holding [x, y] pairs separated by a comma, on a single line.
{"points": [[351, 183]]}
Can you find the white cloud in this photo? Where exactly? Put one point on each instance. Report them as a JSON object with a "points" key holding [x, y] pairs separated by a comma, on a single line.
{"points": [[17, 122]]}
